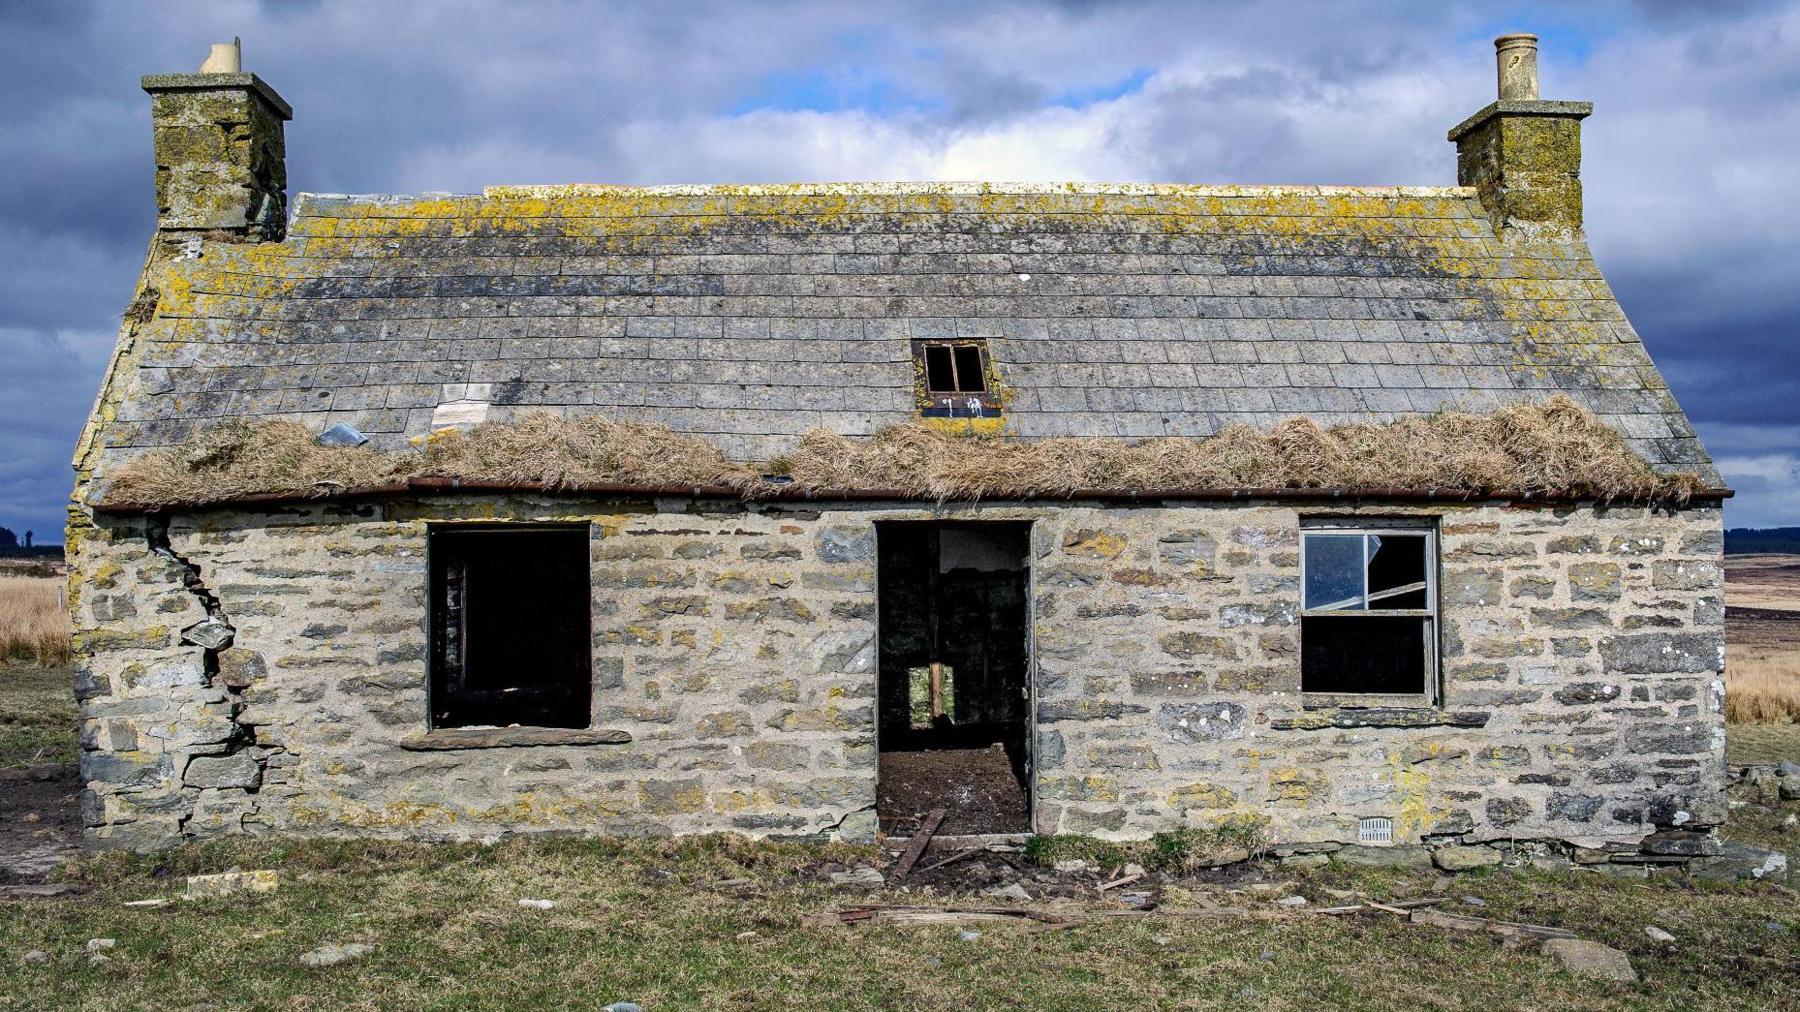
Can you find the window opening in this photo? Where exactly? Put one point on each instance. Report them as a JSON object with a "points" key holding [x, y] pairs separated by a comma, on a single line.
{"points": [[940, 369], [510, 624], [953, 379], [1369, 617], [969, 369], [954, 368]]}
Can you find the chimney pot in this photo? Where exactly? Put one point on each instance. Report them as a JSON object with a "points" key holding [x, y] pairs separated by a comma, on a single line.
{"points": [[1523, 154], [225, 58], [1516, 59]]}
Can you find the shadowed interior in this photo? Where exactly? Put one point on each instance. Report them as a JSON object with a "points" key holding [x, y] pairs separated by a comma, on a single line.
{"points": [[954, 710]]}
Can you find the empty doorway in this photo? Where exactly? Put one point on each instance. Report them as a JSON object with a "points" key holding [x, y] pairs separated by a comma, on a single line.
{"points": [[954, 725]]}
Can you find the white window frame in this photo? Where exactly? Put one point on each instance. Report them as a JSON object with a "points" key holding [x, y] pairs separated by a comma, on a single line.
{"points": [[1429, 693]]}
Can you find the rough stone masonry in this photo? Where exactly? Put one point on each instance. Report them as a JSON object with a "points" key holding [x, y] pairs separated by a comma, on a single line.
{"points": [[734, 649]]}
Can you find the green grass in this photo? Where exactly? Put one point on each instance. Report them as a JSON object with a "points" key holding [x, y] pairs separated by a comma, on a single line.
{"points": [[1761, 744], [37, 716], [646, 921], [1178, 850]]}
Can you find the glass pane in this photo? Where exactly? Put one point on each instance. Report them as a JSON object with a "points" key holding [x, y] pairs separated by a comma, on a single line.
{"points": [[1362, 653], [938, 375], [1334, 571], [1396, 571], [968, 370]]}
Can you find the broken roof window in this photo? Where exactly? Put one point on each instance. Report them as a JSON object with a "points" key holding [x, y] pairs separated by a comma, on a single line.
{"points": [[954, 368], [954, 379], [1369, 618]]}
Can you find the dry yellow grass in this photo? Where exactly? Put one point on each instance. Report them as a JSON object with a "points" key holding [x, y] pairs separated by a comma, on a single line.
{"points": [[1554, 448], [1762, 685], [34, 626]]}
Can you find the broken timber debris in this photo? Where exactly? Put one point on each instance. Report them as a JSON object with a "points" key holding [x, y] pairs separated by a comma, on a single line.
{"points": [[916, 846], [952, 859]]}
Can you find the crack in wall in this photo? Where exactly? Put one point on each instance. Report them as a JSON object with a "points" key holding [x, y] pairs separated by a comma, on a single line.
{"points": [[213, 634]]}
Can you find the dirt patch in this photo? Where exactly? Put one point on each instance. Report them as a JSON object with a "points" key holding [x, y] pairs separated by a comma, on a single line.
{"points": [[40, 820], [976, 787]]}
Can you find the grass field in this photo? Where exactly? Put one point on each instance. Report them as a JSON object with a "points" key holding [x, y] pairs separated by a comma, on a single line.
{"points": [[721, 923], [34, 627], [37, 716]]}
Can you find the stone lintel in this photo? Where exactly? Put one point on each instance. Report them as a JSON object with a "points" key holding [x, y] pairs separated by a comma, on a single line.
{"points": [[1565, 110], [159, 83], [448, 738]]}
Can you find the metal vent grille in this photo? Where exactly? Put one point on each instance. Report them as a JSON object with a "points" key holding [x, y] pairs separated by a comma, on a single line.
{"points": [[1375, 830]]}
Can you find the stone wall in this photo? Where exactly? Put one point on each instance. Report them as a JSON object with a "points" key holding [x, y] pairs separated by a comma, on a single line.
{"points": [[736, 648]]}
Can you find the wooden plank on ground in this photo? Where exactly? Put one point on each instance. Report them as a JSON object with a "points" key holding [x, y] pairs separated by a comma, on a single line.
{"points": [[916, 846]]}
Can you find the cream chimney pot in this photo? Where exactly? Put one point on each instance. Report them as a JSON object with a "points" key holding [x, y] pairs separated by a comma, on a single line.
{"points": [[225, 58], [1516, 56]]}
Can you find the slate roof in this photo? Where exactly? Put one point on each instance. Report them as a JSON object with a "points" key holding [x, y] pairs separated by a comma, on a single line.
{"points": [[753, 313]]}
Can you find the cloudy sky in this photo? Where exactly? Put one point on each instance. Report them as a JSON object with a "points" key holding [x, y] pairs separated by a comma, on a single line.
{"points": [[1689, 167]]}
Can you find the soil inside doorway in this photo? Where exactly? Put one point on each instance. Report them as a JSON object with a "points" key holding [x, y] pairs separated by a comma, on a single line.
{"points": [[977, 788]]}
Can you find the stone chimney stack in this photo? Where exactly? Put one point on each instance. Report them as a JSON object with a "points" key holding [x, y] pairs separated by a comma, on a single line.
{"points": [[221, 159], [1523, 154]]}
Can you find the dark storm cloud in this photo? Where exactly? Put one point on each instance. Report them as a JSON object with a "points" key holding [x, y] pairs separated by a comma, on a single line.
{"points": [[1687, 156]]}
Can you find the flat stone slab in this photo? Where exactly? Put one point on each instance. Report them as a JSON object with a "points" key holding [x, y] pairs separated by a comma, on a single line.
{"points": [[510, 737], [1383, 716], [1591, 960], [332, 955]]}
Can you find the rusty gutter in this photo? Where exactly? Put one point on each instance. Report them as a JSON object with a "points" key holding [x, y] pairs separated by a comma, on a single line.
{"points": [[440, 486]]}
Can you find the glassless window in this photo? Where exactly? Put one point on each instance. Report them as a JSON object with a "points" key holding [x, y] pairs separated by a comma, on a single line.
{"points": [[954, 368], [510, 626], [1369, 621]]}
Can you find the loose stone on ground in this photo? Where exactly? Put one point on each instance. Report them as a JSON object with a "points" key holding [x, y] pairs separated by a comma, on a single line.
{"points": [[332, 955], [1591, 960]]}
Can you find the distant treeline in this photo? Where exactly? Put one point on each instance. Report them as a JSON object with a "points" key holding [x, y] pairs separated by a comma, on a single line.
{"points": [[1749, 540]]}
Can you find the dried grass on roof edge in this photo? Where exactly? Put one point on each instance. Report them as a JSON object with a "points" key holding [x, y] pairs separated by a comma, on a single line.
{"points": [[1553, 449]]}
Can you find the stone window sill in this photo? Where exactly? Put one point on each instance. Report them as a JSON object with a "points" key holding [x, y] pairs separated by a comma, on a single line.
{"points": [[448, 738], [1322, 714]]}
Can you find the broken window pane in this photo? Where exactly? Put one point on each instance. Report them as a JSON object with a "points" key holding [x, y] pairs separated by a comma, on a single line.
{"points": [[969, 378], [1396, 571], [940, 372], [1334, 571]]}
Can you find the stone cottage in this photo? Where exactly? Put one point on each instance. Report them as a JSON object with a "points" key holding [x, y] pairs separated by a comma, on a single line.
{"points": [[446, 659]]}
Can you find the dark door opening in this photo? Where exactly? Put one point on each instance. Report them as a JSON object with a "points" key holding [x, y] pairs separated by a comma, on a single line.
{"points": [[955, 727]]}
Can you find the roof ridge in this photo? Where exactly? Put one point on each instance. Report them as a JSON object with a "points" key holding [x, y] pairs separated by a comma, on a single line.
{"points": [[565, 190]]}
